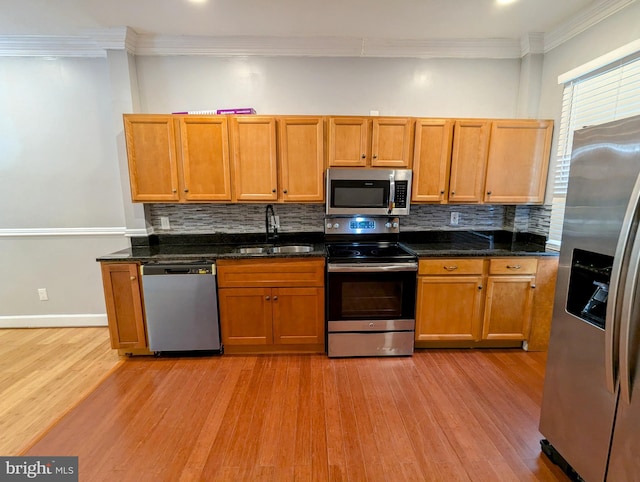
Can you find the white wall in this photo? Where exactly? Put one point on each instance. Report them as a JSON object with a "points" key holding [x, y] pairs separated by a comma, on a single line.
{"points": [[341, 86], [57, 173]]}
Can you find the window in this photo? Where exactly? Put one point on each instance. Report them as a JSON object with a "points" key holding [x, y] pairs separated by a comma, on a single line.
{"points": [[605, 95]]}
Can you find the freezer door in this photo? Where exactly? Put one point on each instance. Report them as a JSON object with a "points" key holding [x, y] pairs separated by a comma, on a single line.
{"points": [[580, 392]]}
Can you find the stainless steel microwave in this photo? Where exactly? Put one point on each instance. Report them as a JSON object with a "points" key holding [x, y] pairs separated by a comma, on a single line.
{"points": [[368, 191]]}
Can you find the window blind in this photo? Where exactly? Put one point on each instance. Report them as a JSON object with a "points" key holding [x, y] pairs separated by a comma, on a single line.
{"points": [[608, 94]]}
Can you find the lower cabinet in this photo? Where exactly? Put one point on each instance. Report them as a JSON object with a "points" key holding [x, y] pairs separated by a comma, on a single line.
{"points": [[123, 300], [469, 301], [274, 305]]}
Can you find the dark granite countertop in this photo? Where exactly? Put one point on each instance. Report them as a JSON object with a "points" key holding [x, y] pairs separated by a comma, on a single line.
{"points": [[209, 247]]}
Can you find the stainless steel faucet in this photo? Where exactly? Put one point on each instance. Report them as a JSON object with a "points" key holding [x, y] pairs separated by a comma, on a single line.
{"points": [[271, 221]]}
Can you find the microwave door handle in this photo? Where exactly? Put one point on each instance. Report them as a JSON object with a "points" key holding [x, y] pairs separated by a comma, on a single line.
{"points": [[620, 263], [392, 193]]}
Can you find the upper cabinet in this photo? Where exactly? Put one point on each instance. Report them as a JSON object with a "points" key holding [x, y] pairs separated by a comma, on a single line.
{"points": [[278, 159], [481, 161], [160, 171], [301, 159], [370, 141], [518, 161], [254, 158]]}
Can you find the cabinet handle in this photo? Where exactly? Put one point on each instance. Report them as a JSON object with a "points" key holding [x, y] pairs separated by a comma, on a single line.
{"points": [[275, 298], [267, 298], [132, 278], [364, 156], [450, 268], [516, 266], [285, 191]]}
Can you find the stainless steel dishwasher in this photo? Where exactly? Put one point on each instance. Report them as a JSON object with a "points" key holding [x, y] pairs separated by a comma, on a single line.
{"points": [[181, 307]]}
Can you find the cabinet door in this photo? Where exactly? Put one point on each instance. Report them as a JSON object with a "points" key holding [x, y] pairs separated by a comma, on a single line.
{"points": [[432, 160], [449, 308], [254, 158], [151, 151], [124, 305], [518, 161], [469, 160], [301, 154], [298, 316], [390, 142], [348, 141], [245, 316], [508, 307], [204, 143]]}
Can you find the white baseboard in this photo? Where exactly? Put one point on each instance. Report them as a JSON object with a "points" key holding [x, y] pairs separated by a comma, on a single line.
{"points": [[52, 321]]}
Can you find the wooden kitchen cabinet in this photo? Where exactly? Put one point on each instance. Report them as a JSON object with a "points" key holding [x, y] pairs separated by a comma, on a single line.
{"points": [[178, 158], [152, 155], [509, 302], [301, 159], [432, 160], [464, 302], [123, 300], [449, 300], [254, 158], [370, 141], [469, 160], [518, 161], [271, 305]]}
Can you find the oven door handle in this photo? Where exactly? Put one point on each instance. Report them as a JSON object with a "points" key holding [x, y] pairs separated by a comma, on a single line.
{"points": [[371, 267]]}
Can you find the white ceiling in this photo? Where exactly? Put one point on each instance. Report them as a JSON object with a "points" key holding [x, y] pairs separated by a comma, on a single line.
{"points": [[380, 21]]}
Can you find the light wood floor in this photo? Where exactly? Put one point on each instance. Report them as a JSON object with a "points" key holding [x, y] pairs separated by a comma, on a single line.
{"points": [[468, 415], [44, 372]]}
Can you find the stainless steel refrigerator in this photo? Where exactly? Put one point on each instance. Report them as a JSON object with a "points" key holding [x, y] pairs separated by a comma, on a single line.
{"points": [[591, 404]]}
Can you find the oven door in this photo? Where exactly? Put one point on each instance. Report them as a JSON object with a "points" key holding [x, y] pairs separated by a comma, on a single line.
{"points": [[361, 294]]}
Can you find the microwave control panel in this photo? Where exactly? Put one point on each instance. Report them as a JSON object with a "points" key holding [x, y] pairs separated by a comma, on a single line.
{"points": [[401, 194]]}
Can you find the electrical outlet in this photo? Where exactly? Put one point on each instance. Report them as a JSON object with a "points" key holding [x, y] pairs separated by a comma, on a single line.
{"points": [[374, 112], [42, 294], [455, 218], [164, 222]]}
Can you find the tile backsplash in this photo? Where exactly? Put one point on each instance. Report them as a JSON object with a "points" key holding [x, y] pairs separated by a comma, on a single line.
{"points": [[250, 218]]}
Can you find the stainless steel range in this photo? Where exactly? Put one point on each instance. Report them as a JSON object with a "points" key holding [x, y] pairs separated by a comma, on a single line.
{"points": [[371, 288]]}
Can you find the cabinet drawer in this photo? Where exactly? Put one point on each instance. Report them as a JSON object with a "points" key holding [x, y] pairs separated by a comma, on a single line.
{"points": [[241, 273], [513, 266], [451, 266]]}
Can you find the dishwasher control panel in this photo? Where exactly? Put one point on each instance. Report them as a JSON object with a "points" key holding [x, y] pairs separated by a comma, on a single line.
{"points": [[177, 269]]}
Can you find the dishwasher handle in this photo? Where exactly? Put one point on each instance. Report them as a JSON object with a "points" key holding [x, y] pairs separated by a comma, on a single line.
{"points": [[177, 269]]}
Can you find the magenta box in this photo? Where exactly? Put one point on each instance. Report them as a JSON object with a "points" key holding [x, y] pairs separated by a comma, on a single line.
{"points": [[243, 110]]}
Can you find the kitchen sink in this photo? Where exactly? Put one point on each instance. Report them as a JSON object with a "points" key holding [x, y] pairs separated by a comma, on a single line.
{"points": [[290, 248]]}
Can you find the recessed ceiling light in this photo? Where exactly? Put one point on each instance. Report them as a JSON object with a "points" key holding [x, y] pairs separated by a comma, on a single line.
{"points": [[199, 1], [505, 2]]}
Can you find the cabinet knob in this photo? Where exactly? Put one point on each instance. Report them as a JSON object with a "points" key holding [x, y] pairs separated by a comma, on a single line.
{"points": [[273, 190], [186, 190], [453, 193], [364, 156], [533, 286], [132, 278], [285, 191], [267, 298], [174, 191], [275, 298], [488, 193], [375, 156], [479, 287], [441, 192]]}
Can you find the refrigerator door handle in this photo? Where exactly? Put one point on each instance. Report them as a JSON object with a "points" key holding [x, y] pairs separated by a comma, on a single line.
{"points": [[620, 263], [627, 314]]}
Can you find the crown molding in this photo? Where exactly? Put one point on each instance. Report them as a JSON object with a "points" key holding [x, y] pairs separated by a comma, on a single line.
{"points": [[449, 48], [49, 46], [115, 38], [590, 16], [532, 43]]}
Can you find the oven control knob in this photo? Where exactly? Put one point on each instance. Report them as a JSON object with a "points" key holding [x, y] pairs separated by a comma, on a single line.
{"points": [[329, 225], [336, 226], [388, 225], [395, 225]]}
